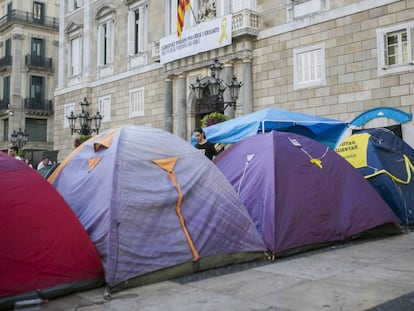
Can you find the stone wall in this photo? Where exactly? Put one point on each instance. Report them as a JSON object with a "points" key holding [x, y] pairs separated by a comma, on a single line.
{"points": [[353, 84]]}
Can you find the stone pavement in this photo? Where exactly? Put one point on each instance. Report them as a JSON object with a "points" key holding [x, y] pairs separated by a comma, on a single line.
{"points": [[375, 275]]}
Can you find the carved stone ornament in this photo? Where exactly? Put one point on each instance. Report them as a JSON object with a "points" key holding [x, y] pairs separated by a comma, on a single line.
{"points": [[207, 10]]}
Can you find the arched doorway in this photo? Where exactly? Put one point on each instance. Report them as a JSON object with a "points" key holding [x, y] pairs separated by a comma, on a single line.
{"points": [[207, 104]]}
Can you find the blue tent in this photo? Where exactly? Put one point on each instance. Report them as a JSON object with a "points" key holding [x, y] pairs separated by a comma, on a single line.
{"points": [[325, 130], [391, 118], [381, 112], [386, 161]]}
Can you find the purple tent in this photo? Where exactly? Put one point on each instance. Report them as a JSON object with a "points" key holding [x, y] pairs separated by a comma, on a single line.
{"points": [[151, 201], [300, 192]]}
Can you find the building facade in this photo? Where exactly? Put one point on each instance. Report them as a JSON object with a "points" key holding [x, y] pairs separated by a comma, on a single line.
{"points": [[331, 58], [28, 52]]}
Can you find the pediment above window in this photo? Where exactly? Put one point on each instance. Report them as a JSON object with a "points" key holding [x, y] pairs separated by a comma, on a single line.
{"points": [[128, 2], [72, 27], [105, 11]]}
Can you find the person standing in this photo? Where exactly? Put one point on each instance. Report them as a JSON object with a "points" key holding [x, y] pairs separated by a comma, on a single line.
{"points": [[14, 152], [45, 162], [202, 143]]}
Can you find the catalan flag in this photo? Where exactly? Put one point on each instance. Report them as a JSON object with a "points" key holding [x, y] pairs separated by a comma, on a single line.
{"points": [[182, 6]]}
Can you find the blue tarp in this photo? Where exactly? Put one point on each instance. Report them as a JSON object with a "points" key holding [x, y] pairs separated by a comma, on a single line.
{"points": [[326, 131]]}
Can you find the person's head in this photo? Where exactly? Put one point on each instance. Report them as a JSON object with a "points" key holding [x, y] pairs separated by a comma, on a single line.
{"points": [[14, 151], [46, 160], [199, 134]]}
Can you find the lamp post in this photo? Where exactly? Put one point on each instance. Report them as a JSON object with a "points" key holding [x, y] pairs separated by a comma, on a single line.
{"points": [[216, 87], [85, 120], [19, 138]]}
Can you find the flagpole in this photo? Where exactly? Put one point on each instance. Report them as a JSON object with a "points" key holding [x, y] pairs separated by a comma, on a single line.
{"points": [[192, 11]]}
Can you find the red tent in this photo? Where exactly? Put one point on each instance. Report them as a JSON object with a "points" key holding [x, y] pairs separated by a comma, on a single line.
{"points": [[45, 252]]}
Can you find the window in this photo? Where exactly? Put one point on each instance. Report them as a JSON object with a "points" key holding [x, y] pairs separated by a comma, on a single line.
{"points": [[38, 12], [5, 129], [395, 48], [9, 9], [6, 89], [309, 66], [38, 47], [37, 52], [136, 102], [74, 4], [298, 9], [37, 90], [104, 107], [74, 33], [105, 43], [7, 50], [37, 129], [66, 111], [105, 40], [75, 56], [137, 30]]}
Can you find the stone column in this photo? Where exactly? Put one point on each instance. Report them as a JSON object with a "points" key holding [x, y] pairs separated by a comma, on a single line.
{"points": [[168, 105], [190, 120], [181, 102], [247, 89], [18, 119], [60, 60], [227, 75], [87, 44]]}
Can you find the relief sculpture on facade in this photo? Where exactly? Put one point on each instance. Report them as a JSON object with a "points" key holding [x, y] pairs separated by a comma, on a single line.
{"points": [[207, 10]]}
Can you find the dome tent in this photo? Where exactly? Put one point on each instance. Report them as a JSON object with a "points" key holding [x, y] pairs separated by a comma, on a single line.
{"points": [[300, 193], [154, 206], [396, 120], [386, 161], [45, 250]]}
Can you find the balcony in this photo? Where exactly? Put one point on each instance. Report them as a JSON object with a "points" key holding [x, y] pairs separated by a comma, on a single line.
{"points": [[245, 23], [16, 16], [39, 62], [5, 62], [38, 107]]}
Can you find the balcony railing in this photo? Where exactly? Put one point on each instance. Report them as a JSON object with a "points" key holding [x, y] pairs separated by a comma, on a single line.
{"points": [[33, 61], [6, 61], [26, 17], [35, 104], [245, 22]]}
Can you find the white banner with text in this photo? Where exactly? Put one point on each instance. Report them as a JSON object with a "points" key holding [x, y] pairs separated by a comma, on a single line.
{"points": [[203, 37]]}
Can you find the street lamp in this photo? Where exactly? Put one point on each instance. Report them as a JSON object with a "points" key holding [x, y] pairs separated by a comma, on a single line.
{"points": [[19, 138], [85, 120], [216, 87]]}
